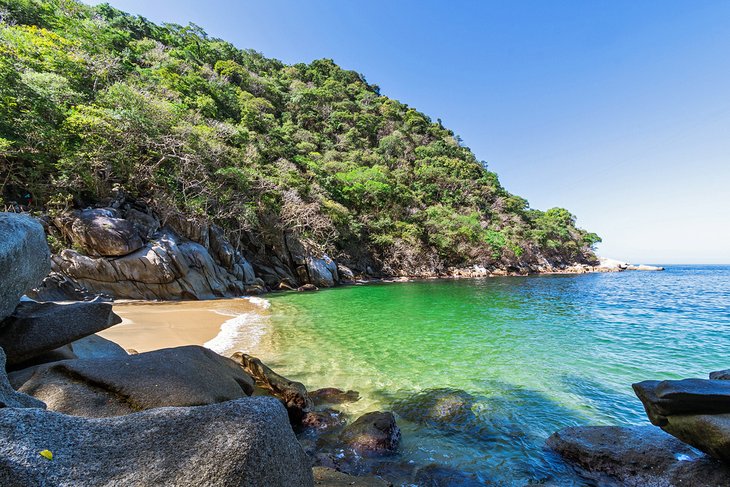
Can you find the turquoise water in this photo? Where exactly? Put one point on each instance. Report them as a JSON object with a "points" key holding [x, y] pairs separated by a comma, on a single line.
{"points": [[533, 354]]}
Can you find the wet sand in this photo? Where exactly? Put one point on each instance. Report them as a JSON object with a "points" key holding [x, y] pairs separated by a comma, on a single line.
{"points": [[150, 326]]}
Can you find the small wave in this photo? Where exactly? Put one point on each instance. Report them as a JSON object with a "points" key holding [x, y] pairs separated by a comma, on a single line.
{"points": [[243, 332]]}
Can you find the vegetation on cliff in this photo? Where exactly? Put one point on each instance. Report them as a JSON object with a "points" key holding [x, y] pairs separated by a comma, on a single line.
{"points": [[93, 100]]}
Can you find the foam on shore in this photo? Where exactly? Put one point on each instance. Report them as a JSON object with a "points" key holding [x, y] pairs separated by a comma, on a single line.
{"points": [[243, 331]]}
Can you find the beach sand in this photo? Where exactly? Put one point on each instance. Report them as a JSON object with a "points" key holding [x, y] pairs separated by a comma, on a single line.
{"points": [[150, 326]]}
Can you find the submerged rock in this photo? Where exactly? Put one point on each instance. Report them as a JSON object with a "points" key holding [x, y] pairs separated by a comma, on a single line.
{"points": [[292, 394], [696, 411], [113, 386], [332, 395], [9, 397], [327, 477], [374, 433], [441, 476], [24, 258], [442, 408], [36, 328], [247, 442], [323, 420], [640, 456]]}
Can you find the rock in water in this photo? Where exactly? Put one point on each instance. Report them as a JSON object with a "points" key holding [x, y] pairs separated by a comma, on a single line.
{"points": [[374, 433], [24, 258], [9, 397], [443, 408], [322, 271], [332, 395], [247, 442], [35, 328], [639, 456], [328, 477], [183, 376], [292, 394], [697, 411]]}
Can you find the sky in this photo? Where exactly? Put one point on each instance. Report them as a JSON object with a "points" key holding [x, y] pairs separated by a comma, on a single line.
{"points": [[616, 110]]}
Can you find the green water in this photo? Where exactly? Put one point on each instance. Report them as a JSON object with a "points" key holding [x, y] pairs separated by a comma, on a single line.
{"points": [[536, 354]]}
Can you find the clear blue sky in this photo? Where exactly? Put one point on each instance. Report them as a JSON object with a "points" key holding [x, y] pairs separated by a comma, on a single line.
{"points": [[616, 110]]}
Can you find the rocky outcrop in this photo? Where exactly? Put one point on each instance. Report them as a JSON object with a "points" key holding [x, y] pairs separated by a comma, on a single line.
{"points": [[36, 328], [9, 397], [247, 442], [24, 258], [124, 252], [322, 271], [444, 408], [183, 376], [696, 411], [292, 394], [374, 433], [637, 457], [60, 287]]}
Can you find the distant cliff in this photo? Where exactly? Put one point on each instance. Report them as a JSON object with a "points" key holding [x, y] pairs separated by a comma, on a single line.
{"points": [[292, 166]]}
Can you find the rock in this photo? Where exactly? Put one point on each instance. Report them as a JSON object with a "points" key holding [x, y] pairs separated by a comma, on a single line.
{"points": [[324, 420], [328, 477], [167, 267], [292, 394], [720, 375], [24, 258], [332, 395], [434, 475], [444, 408], [65, 352], [687, 396], [307, 287], [94, 346], [35, 328], [345, 273], [372, 434], [100, 232], [322, 271], [644, 267], [9, 397], [639, 456], [183, 376], [59, 287], [247, 442]]}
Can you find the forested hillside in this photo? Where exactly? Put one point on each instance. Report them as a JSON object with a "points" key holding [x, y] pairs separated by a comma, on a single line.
{"points": [[93, 101]]}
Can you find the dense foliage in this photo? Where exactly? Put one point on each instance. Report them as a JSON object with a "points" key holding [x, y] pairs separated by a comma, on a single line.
{"points": [[93, 100]]}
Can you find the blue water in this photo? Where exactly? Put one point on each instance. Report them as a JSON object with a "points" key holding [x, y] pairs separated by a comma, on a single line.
{"points": [[534, 354]]}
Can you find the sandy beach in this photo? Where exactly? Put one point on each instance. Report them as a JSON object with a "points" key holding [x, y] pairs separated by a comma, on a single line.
{"points": [[150, 326]]}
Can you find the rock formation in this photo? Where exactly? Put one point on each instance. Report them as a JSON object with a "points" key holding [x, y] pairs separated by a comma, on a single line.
{"points": [[247, 442], [374, 433], [24, 258], [637, 457]]}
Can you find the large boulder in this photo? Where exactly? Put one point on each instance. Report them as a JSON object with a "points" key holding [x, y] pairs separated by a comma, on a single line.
{"points": [[100, 232], [247, 442], [374, 433], [697, 411], [113, 386], [24, 258], [60, 287], [36, 328], [167, 267], [640, 456], [9, 397], [291, 393], [322, 271]]}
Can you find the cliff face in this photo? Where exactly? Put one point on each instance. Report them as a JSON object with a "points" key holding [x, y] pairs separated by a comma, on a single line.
{"points": [[290, 166]]}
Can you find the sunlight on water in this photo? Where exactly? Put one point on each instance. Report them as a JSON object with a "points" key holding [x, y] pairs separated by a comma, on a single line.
{"points": [[533, 355]]}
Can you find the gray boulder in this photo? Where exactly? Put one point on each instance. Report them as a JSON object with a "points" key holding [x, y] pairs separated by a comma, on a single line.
{"points": [[24, 258], [328, 477], [35, 328], [59, 287], [322, 271], [640, 456], [9, 397], [94, 346], [247, 442], [100, 232], [374, 433], [113, 386], [720, 375]]}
